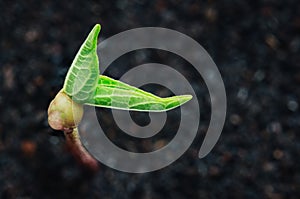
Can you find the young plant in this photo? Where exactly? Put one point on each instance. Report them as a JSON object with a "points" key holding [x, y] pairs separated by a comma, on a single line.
{"points": [[84, 86]]}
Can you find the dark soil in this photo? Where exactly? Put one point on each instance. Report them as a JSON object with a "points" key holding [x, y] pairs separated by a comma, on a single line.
{"points": [[255, 44]]}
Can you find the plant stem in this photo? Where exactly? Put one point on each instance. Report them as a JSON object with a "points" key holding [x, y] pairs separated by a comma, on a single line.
{"points": [[78, 151]]}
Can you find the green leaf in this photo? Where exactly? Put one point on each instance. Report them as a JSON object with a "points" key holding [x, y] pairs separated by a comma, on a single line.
{"points": [[112, 93], [82, 77]]}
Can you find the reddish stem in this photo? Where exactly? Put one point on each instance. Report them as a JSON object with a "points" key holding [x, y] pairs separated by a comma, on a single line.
{"points": [[78, 151]]}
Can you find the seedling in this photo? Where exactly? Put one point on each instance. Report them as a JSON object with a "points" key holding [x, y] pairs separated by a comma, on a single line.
{"points": [[84, 86]]}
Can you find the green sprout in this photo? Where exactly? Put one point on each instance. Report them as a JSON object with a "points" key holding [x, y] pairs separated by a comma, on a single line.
{"points": [[84, 86]]}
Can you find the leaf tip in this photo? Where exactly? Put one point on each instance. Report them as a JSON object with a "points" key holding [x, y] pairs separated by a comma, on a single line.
{"points": [[93, 36], [97, 28], [184, 98], [175, 101]]}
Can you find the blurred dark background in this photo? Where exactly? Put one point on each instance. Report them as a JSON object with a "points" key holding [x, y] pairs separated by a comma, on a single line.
{"points": [[255, 44]]}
